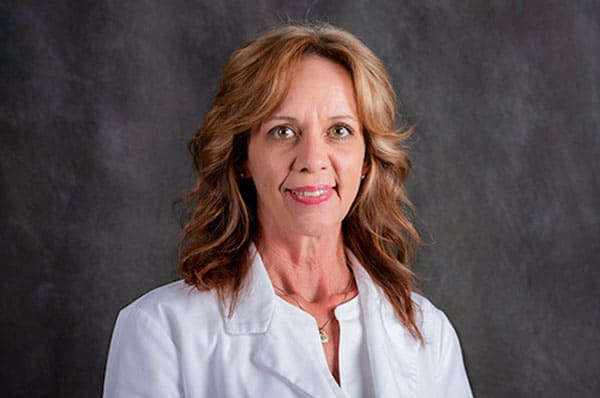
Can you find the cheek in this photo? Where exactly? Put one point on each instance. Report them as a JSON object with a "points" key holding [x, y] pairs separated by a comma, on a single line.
{"points": [[268, 173], [354, 164], [258, 163]]}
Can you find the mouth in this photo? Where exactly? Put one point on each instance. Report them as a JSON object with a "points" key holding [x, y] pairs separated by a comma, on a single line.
{"points": [[311, 195]]}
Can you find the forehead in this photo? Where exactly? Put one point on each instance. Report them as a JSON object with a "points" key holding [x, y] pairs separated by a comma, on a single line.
{"points": [[319, 82]]}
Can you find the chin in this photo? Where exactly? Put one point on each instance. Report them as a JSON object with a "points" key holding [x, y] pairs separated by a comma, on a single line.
{"points": [[316, 230]]}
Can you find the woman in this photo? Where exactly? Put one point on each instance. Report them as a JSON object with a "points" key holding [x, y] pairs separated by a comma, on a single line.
{"points": [[295, 253]]}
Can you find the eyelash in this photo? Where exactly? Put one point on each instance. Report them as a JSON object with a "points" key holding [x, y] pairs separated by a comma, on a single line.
{"points": [[275, 130], [337, 126]]}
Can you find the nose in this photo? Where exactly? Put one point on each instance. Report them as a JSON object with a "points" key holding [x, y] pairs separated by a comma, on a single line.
{"points": [[312, 155]]}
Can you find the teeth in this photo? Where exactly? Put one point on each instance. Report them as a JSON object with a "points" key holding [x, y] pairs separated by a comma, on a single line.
{"points": [[313, 194]]}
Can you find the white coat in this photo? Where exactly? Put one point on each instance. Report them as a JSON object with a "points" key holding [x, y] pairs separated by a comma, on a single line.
{"points": [[176, 342]]}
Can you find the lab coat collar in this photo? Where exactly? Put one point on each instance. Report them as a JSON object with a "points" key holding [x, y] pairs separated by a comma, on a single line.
{"points": [[254, 315], [254, 309], [392, 350]]}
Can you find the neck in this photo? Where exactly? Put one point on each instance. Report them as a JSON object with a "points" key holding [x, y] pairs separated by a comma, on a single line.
{"points": [[313, 268]]}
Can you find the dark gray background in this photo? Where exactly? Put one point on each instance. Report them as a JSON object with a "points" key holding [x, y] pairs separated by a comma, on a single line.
{"points": [[98, 99]]}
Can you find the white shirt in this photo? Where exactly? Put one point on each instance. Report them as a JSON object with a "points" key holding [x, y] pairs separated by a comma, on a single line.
{"points": [[355, 374], [177, 342]]}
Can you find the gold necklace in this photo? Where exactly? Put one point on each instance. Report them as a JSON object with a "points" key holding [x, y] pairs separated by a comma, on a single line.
{"points": [[322, 334]]}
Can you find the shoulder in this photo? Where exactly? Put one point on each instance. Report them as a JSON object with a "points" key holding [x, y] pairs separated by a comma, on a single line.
{"points": [[433, 322], [441, 352], [153, 335], [170, 306], [441, 345], [439, 336], [427, 312], [175, 296]]}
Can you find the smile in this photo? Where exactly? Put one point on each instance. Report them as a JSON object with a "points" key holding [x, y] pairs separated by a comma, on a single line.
{"points": [[311, 195]]}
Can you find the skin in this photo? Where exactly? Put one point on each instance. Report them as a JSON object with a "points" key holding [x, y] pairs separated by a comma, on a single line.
{"points": [[306, 162]]}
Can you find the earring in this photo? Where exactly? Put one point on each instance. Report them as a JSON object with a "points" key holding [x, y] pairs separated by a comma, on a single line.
{"points": [[362, 177]]}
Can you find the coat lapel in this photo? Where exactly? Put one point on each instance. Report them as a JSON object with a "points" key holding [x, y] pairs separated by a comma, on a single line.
{"points": [[281, 347], [392, 350], [256, 303], [288, 358]]}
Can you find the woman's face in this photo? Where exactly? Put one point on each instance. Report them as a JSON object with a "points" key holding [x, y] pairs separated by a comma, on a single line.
{"points": [[306, 160]]}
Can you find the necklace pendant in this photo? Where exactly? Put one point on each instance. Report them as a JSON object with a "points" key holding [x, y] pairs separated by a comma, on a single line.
{"points": [[323, 335]]}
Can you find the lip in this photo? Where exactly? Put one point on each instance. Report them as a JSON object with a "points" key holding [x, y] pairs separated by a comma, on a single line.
{"points": [[311, 194]]}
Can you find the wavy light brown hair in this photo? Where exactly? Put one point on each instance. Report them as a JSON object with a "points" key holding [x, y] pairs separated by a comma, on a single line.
{"points": [[222, 222]]}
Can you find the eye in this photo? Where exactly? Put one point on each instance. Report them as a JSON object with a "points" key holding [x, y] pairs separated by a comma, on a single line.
{"points": [[340, 131], [282, 132]]}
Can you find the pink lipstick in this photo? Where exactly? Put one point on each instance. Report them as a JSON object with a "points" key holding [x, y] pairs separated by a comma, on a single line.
{"points": [[311, 194]]}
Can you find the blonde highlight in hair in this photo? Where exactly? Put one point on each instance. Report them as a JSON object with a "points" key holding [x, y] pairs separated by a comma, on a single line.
{"points": [[222, 223]]}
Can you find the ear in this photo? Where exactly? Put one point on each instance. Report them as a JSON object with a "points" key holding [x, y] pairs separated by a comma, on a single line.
{"points": [[365, 169], [244, 172]]}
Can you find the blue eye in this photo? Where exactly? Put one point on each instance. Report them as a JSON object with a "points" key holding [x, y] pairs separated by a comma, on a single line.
{"points": [[282, 132], [340, 131]]}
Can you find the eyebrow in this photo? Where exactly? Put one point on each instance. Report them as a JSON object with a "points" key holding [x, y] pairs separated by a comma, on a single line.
{"points": [[293, 119]]}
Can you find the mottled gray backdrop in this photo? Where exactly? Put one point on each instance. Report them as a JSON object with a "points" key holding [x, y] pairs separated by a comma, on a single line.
{"points": [[98, 99]]}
